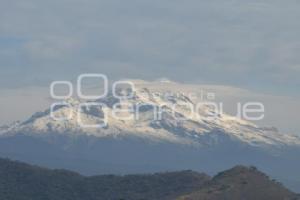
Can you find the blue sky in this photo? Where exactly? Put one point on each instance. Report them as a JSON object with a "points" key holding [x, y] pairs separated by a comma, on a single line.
{"points": [[248, 44]]}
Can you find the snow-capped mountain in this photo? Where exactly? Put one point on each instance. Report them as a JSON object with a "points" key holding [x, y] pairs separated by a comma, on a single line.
{"points": [[154, 130], [155, 112]]}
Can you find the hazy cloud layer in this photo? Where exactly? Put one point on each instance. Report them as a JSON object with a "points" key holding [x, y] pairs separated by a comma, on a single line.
{"points": [[248, 44], [253, 44]]}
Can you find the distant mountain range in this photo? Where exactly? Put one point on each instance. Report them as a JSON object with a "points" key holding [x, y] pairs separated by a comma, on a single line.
{"points": [[142, 143], [20, 181]]}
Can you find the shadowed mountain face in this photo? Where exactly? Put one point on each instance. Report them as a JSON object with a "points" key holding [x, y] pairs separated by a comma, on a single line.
{"points": [[91, 156], [19, 181]]}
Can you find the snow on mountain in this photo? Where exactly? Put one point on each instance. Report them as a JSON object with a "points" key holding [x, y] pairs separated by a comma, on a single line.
{"points": [[158, 111]]}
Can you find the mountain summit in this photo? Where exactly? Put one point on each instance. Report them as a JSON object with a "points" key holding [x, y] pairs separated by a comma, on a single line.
{"points": [[156, 114], [158, 127]]}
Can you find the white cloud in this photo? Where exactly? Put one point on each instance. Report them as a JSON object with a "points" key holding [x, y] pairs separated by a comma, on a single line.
{"points": [[223, 42], [52, 48]]}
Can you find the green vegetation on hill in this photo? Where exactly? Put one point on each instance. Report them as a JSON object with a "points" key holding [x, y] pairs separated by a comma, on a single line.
{"points": [[241, 183], [20, 181]]}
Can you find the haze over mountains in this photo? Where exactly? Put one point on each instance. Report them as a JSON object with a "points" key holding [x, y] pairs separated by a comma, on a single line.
{"points": [[134, 144]]}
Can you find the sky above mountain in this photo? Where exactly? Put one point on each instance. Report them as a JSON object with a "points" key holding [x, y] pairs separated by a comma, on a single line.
{"points": [[252, 44]]}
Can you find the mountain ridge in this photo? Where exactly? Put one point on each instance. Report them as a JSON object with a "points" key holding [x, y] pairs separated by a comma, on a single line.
{"points": [[21, 181]]}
